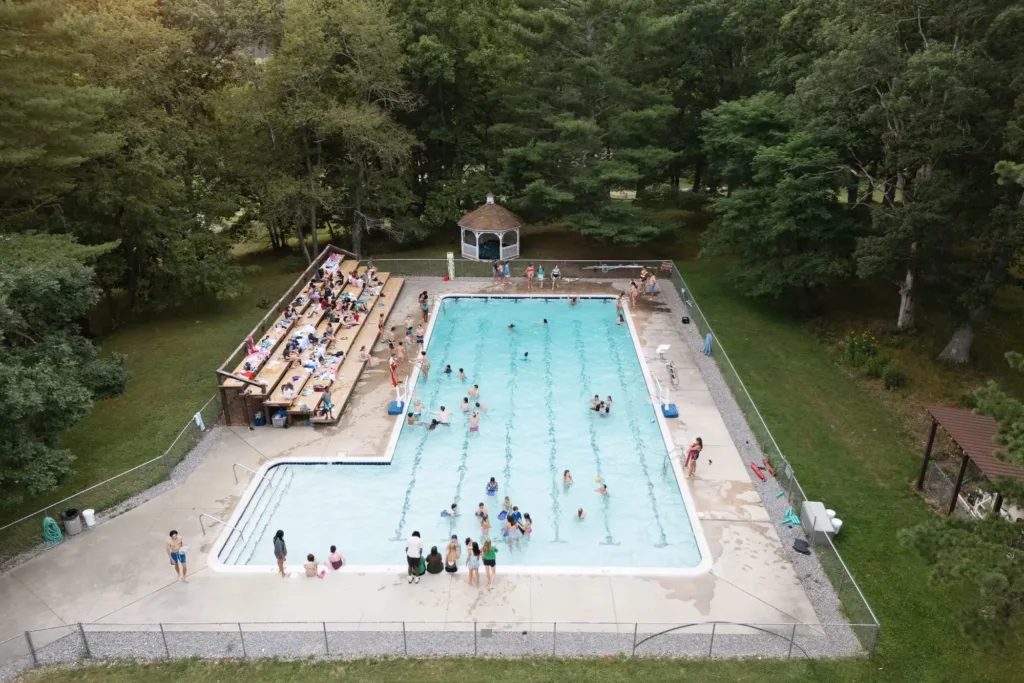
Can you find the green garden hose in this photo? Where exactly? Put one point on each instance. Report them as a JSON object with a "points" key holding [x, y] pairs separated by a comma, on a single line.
{"points": [[51, 532]]}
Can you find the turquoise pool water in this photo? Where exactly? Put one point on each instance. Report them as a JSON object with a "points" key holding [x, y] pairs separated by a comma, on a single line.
{"points": [[536, 425]]}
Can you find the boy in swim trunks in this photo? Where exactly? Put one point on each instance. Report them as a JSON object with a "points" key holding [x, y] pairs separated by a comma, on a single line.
{"points": [[474, 422], [419, 336], [176, 553]]}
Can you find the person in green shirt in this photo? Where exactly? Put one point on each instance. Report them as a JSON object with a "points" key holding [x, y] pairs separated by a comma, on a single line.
{"points": [[489, 553]]}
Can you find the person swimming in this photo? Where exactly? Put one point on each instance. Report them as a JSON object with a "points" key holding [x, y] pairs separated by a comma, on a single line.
{"points": [[481, 510], [527, 524], [462, 374], [492, 487], [464, 406], [451, 511], [526, 355], [580, 514], [567, 479], [511, 326], [507, 505], [432, 426], [475, 391], [411, 419], [602, 489], [474, 422], [595, 403], [447, 369]]}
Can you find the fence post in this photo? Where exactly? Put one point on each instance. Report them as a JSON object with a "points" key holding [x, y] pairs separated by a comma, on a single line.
{"points": [[405, 643], [241, 637], [474, 638], [554, 640], [163, 636], [85, 641], [711, 646], [167, 468], [792, 637], [31, 648], [327, 646], [635, 626], [842, 582]]}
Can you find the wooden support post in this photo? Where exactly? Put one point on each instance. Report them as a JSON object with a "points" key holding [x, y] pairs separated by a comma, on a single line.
{"points": [[927, 454], [998, 505], [956, 486]]}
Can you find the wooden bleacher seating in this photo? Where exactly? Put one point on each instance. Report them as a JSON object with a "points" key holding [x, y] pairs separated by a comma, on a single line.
{"points": [[319, 321], [352, 367], [278, 331]]}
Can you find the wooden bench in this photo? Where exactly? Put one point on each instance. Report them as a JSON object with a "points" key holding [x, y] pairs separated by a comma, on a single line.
{"points": [[319, 321], [277, 332], [301, 405], [352, 367]]}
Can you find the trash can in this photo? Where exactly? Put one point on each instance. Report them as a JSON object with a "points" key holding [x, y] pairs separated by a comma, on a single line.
{"points": [[89, 516], [72, 522]]}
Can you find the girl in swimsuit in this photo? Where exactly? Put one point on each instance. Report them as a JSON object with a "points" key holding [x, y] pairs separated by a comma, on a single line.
{"points": [[473, 562], [451, 557], [527, 524], [567, 479], [691, 457], [529, 276], [555, 275]]}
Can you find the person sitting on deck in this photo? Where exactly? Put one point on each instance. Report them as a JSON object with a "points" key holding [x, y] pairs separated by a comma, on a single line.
{"points": [[288, 390], [329, 334], [348, 320]]}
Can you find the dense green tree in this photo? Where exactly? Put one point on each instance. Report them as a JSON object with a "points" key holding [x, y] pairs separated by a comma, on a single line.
{"points": [[317, 120], [570, 132], [50, 375], [459, 57], [49, 116]]}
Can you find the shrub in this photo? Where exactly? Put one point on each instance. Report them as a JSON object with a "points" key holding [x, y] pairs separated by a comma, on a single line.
{"points": [[892, 375], [858, 348], [873, 366]]}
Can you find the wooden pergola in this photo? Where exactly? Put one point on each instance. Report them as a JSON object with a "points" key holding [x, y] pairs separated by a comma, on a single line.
{"points": [[975, 436]]}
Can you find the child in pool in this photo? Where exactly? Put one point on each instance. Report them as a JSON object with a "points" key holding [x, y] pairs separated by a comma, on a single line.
{"points": [[527, 524], [485, 525], [507, 505], [567, 479], [492, 487]]}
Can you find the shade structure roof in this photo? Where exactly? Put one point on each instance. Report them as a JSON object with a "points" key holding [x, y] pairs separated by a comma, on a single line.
{"points": [[975, 435], [490, 217]]}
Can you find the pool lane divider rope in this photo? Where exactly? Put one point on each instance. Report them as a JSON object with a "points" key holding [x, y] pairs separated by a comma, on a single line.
{"points": [[481, 333], [549, 403], [634, 428], [577, 333], [418, 457], [513, 371]]}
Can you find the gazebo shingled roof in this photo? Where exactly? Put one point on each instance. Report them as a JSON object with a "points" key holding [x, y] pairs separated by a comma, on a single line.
{"points": [[490, 217]]}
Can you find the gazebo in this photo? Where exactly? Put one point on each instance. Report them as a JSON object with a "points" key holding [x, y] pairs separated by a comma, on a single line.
{"points": [[490, 232], [975, 436]]}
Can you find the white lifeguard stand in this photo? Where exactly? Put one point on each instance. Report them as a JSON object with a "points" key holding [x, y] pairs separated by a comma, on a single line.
{"points": [[490, 232]]}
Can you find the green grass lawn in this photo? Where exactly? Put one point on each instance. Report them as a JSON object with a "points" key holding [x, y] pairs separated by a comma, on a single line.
{"points": [[172, 357]]}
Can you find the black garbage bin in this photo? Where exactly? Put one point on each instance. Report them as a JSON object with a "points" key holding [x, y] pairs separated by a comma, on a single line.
{"points": [[72, 521]]}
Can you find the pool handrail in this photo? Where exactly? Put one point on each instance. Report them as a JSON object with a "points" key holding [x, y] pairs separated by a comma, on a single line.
{"points": [[204, 514]]}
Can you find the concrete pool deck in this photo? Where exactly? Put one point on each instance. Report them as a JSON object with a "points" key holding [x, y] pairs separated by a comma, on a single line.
{"points": [[118, 573]]}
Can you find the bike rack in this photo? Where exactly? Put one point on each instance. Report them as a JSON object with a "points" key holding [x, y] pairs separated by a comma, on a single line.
{"points": [[203, 514]]}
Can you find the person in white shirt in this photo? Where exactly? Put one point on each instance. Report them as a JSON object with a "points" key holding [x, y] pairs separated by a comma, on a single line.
{"points": [[413, 553], [443, 416]]}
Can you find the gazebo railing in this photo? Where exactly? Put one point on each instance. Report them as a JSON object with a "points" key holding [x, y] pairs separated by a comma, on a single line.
{"points": [[511, 251]]}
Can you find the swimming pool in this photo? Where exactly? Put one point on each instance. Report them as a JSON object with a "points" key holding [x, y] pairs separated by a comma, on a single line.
{"points": [[536, 423]]}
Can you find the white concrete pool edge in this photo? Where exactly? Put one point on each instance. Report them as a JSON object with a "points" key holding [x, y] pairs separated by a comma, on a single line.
{"points": [[220, 545]]}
